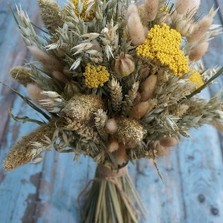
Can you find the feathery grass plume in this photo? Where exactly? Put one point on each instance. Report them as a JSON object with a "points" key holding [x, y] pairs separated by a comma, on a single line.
{"points": [[100, 120], [198, 51], [49, 62], [51, 14], [35, 92], [81, 108], [22, 75], [185, 26], [60, 76], [130, 132], [202, 27], [132, 9], [115, 94], [26, 149], [150, 10], [189, 6], [135, 29]]}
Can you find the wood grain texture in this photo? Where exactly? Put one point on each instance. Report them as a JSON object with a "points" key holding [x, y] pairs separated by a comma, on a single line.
{"points": [[192, 187]]}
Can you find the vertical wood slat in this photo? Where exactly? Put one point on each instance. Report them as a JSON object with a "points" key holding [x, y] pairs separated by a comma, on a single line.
{"points": [[200, 158], [18, 189]]}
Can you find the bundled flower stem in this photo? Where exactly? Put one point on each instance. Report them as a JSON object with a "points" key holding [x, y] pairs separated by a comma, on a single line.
{"points": [[111, 198], [116, 82]]}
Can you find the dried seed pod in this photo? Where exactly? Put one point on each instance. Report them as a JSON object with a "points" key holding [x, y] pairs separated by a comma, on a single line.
{"points": [[71, 88], [130, 132], [141, 109], [121, 155], [148, 87], [124, 65], [161, 150], [136, 29], [82, 107], [199, 51], [113, 145], [168, 141], [111, 126]]}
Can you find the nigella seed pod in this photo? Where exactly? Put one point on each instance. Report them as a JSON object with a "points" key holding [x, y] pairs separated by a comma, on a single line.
{"points": [[124, 65]]}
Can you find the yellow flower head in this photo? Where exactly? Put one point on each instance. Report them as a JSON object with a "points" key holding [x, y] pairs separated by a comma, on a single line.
{"points": [[95, 76], [163, 45], [196, 78], [85, 15]]}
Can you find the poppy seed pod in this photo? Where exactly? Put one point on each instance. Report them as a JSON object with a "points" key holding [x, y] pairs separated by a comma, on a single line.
{"points": [[124, 65]]}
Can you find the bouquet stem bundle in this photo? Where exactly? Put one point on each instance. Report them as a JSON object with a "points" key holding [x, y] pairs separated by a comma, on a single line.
{"points": [[111, 197], [116, 81]]}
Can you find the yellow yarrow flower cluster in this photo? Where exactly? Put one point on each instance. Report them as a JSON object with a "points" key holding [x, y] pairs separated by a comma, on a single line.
{"points": [[84, 14], [196, 78], [163, 45], [95, 76]]}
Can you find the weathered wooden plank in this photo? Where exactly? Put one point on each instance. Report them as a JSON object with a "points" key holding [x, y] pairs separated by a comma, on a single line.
{"points": [[18, 189], [14, 51], [160, 197], [201, 168], [200, 158]]}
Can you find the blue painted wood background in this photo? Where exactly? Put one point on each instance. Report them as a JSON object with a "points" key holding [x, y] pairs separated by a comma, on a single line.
{"points": [[192, 191]]}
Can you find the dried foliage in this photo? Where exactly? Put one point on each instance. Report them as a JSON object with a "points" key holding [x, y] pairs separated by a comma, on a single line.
{"points": [[119, 80]]}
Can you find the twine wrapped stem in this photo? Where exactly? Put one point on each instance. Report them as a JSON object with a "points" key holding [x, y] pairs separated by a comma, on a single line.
{"points": [[111, 197]]}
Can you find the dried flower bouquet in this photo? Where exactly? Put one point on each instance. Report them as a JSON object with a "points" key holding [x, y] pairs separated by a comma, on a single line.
{"points": [[116, 81]]}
